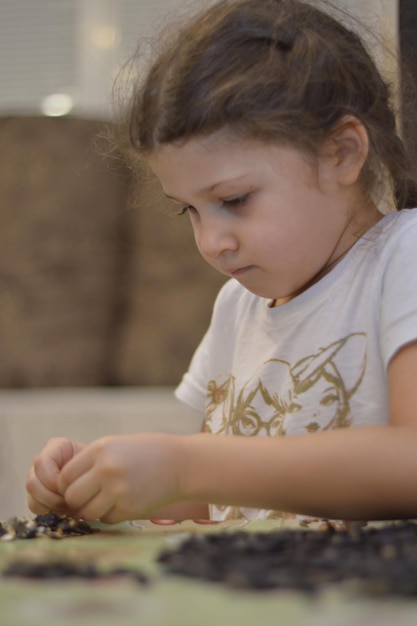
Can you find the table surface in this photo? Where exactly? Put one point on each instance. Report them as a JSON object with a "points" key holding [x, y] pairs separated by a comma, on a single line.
{"points": [[168, 600]]}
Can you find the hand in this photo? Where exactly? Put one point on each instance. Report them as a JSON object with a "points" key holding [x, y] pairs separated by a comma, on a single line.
{"points": [[42, 482], [122, 477]]}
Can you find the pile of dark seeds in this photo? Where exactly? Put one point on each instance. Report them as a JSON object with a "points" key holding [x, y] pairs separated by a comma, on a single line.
{"points": [[56, 527], [63, 569], [52, 525], [381, 560]]}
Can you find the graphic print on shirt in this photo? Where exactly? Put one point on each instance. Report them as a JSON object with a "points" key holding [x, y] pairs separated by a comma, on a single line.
{"points": [[283, 398]]}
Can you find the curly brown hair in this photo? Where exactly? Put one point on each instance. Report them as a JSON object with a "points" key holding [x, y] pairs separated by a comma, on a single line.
{"points": [[270, 70]]}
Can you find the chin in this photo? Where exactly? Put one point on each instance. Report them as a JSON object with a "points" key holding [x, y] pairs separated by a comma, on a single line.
{"points": [[261, 293]]}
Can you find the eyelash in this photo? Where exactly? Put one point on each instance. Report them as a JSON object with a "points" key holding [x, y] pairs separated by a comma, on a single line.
{"points": [[236, 202], [233, 202], [184, 210]]}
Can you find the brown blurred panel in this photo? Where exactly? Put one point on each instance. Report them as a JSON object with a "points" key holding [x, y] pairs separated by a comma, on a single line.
{"points": [[62, 216]]}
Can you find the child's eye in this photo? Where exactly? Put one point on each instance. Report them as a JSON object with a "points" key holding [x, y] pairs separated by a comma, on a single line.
{"points": [[236, 202]]}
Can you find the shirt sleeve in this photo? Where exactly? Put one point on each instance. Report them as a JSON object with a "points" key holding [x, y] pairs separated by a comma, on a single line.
{"points": [[192, 389], [212, 350], [399, 292]]}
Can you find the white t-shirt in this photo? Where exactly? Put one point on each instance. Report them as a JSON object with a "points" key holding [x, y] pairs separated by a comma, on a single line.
{"points": [[317, 362]]}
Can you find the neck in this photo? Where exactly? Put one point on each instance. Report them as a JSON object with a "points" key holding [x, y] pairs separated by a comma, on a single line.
{"points": [[372, 217]]}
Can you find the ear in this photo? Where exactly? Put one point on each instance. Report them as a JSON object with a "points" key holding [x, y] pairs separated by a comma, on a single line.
{"points": [[346, 150]]}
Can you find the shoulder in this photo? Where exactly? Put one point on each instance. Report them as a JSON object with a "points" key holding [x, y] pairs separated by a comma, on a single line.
{"points": [[397, 227], [392, 240]]}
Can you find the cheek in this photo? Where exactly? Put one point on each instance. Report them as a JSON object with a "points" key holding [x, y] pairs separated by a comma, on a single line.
{"points": [[197, 242], [198, 246]]}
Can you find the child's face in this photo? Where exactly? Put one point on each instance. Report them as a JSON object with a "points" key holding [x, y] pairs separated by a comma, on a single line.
{"points": [[260, 213]]}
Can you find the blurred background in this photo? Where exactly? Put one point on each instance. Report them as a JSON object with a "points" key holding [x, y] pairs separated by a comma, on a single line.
{"points": [[103, 298], [93, 289], [60, 57]]}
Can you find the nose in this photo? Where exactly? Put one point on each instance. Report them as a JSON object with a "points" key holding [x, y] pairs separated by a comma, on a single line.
{"points": [[214, 236]]}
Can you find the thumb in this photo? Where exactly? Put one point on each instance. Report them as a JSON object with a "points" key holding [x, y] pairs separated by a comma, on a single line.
{"points": [[49, 463]]}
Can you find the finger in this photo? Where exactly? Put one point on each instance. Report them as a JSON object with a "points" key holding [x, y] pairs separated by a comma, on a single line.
{"points": [[36, 507], [43, 496], [47, 472], [75, 468], [48, 501], [98, 507], [49, 463], [113, 516], [80, 492], [40, 509]]}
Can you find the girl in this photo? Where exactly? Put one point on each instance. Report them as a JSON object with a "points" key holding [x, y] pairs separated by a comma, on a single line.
{"points": [[269, 125]]}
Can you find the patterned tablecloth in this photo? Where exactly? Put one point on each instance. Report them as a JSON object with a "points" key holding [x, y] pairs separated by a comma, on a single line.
{"points": [[168, 600]]}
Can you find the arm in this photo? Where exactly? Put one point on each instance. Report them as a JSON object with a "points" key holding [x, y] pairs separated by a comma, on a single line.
{"points": [[358, 473], [183, 510]]}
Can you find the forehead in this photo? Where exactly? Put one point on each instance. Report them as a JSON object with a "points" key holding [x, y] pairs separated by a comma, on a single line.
{"points": [[204, 162], [205, 147]]}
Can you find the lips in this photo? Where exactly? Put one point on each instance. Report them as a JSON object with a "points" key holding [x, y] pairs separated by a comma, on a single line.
{"points": [[240, 270]]}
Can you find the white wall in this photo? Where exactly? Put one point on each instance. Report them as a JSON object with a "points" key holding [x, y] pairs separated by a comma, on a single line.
{"points": [[76, 47]]}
